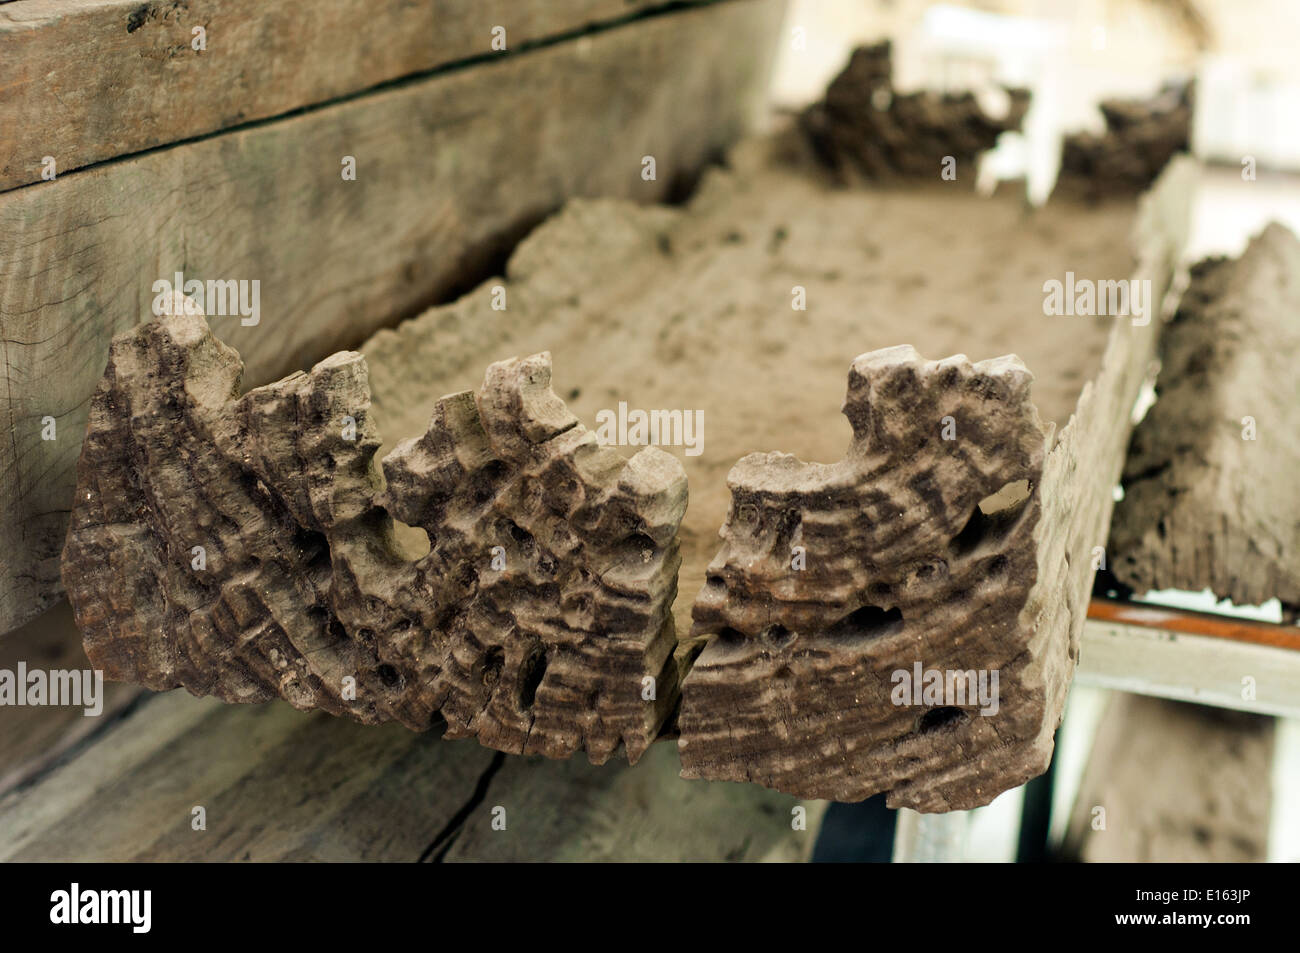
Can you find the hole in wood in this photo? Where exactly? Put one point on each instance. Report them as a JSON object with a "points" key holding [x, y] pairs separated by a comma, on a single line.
{"points": [[492, 664], [530, 678], [866, 622], [777, 636], [411, 542], [939, 719], [992, 517], [730, 636], [638, 548]]}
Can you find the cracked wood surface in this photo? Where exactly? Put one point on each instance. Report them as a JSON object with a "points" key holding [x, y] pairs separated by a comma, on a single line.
{"points": [[279, 784], [451, 169], [1204, 507], [89, 80]]}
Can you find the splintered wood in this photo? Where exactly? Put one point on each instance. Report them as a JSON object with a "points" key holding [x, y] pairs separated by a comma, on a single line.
{"points": [[952, 536], [261, 562], [1211, 494]]}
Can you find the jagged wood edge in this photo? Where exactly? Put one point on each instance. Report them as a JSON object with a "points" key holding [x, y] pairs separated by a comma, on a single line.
{"points": [[366, 604]]}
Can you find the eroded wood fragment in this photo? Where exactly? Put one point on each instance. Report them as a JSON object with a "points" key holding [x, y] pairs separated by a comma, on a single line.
{"points": [[916, 549], [819, 720], [863, 128], [242, 547], [1141, 136], [1211, 497]]}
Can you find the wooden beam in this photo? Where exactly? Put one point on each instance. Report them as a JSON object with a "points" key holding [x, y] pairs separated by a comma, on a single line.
{"points": [[451, 170], [1211, 498], [279, 784], [1192, 656], [90, 80]]}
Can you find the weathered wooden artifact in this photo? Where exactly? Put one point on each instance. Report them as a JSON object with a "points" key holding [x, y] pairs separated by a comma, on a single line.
{"points": [[863, 128], [1141, 136], [810, 680], [345, 615], [916, 549], [1211, 496], [237, 546]]}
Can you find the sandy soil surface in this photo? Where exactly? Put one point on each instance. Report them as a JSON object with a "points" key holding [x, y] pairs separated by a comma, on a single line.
{"points": [[691, 308]]}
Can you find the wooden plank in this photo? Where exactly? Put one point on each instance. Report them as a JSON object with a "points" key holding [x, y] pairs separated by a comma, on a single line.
{"points": [[1211, 499], [90, 80], [34, 737], [278, 784], [1208, 669], [1187, 622], [1079, 477], [450, 170], [1168, 782]]}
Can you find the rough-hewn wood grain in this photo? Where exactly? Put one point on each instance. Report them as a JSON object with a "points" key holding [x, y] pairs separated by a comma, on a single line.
{"points": [[1083, 468], [448, 169], [243, 547], [1211, 493], [279, 784], [89, 80], [1175, 783], [894, 583]]}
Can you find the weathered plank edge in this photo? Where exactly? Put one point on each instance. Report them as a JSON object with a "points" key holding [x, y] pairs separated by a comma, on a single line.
{"points": [[1084, 466], [93, 80]]}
